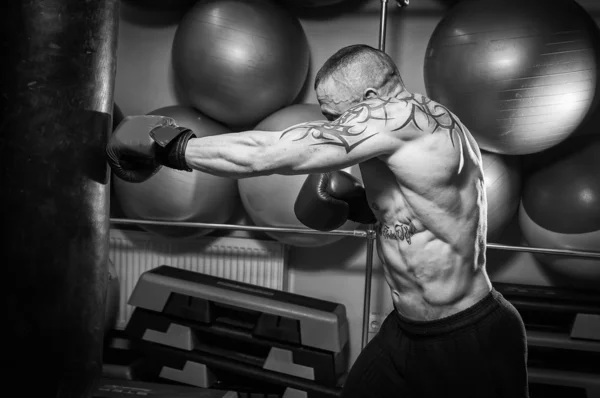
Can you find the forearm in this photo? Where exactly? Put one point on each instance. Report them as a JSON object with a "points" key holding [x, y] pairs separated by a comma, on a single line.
{"points": [[307, 148], [234, 155]]}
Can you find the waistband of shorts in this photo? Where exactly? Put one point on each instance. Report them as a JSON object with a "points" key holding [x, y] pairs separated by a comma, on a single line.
{"points": [[467, 317]]}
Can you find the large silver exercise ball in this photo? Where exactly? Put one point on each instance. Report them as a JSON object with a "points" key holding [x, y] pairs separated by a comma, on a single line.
{"points": [[174, 195], [521, 74], [238, 61], [269, 200]]}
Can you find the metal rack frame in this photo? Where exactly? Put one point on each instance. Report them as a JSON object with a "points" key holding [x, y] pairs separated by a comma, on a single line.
{"points": [[369, 234]]}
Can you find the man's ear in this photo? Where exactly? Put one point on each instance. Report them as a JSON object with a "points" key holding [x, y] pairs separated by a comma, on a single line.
{"points": [[370, 93]]}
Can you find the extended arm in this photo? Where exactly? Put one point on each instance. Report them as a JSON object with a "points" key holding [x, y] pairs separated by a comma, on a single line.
{"points": [[373, 128], [141, 145]]}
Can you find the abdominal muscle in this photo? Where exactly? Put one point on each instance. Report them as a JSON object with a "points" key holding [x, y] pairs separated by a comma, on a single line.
{"points": [[428, 279], [432, 245]]}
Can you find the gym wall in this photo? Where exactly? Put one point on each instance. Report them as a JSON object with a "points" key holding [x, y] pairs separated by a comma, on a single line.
{"points": [[335, 272]]}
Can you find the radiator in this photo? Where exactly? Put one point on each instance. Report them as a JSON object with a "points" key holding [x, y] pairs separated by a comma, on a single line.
{"points": [[261, 263]]}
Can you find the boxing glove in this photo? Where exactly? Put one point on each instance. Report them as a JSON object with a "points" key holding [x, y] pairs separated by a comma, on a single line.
{"points": [[326, 201], [141, 145]]}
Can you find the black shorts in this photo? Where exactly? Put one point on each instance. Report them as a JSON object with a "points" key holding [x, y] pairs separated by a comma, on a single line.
{"points": [[480, 352]]}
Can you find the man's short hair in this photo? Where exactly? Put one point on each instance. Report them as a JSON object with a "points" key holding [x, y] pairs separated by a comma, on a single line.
{"points": [[363, 63]]}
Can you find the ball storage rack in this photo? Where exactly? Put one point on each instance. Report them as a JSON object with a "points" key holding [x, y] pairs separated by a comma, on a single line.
{"points": [[369, 235]]}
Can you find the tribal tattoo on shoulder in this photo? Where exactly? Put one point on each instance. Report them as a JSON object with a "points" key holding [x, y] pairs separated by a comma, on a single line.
{"points": [[355, 126], [399, 231], [347, 131], [439, 118]]}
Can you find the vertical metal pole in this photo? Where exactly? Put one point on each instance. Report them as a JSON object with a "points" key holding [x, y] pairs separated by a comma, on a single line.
{"points": [[382, 24], [368, 279], [371, 231], [371, 235]]}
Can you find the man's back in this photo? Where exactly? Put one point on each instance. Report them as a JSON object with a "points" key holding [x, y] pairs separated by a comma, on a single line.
{"points": [[429, 198]]}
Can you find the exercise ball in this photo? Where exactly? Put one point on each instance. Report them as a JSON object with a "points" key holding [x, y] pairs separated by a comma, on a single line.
{"points": [[117, 116], [174, 195], [238, 61], [560, 206], [113, 295], [115, 210], [162, 5], [301, 4], [521, 74], [502, 176], [269, 200]]}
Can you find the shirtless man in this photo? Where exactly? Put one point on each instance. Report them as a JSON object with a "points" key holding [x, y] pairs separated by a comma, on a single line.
{"points": [[451, 334]]}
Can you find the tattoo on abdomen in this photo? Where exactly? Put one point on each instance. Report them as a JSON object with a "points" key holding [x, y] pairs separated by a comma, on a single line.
{"points": [[398, 231]]}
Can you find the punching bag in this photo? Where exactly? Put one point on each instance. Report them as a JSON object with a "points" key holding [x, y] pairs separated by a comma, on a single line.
{"points": [[59, 64]]}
